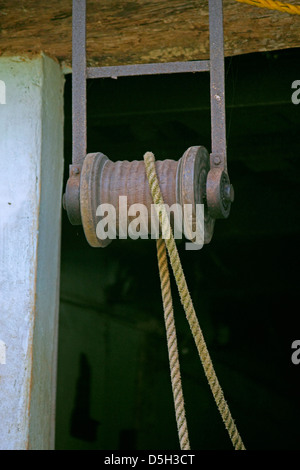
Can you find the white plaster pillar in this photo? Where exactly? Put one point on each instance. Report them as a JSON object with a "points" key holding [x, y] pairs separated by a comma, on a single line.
{"points": [[31, 170]]}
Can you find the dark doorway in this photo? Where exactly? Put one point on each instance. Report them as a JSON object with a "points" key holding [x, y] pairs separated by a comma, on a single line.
{"points": [[244, 283]]}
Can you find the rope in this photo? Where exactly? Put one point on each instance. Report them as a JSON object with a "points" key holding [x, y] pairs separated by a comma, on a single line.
{"points": [[172, 345], [188, 304], [274, 5]]}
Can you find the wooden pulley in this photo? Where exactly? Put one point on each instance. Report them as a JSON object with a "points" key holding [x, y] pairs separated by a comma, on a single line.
{"points": [[196, 179], [104, 182]]}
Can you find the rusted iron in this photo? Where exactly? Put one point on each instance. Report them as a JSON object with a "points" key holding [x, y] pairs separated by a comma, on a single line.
{"points": [[148, 69], [79, 81], [213, 187], [71, 198], [219, 193], [217, 89], [219, 189], [192, 176], [103, 182]]}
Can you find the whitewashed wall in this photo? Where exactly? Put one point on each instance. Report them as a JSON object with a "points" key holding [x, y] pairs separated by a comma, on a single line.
{"points": [[31, 170]]}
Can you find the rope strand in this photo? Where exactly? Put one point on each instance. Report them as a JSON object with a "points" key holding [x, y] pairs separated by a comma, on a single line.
{"points": [[172, 345], [188, 304]]}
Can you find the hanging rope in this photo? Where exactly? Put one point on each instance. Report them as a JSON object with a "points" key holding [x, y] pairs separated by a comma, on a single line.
{"points": [[172, 345], [274, 5], [188, 304]]}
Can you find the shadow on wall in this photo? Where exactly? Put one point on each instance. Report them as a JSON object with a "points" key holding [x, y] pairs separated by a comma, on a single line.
{"points": [[82, 426]]}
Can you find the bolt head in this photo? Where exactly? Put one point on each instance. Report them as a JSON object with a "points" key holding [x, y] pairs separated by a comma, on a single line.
{"points": [[217, 160], [228, 193]]}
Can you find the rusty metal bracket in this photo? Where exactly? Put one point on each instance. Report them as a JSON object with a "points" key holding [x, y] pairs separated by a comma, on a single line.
{"points": [[217, 192]]}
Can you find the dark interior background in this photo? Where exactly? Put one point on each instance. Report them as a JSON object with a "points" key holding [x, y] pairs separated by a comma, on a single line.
{"points": [[114, 388]]}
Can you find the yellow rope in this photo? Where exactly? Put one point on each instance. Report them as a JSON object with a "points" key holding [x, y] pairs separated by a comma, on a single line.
{"points": [[274, 5], [188, 304], [172, 344]]}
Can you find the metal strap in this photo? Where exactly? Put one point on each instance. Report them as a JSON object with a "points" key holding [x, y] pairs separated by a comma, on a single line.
{"points": [[215, 65]]}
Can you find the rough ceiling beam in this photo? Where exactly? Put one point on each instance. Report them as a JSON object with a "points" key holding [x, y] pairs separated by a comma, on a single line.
{"points": [[141, 31]]}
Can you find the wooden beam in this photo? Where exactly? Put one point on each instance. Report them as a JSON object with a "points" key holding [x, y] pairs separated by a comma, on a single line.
{"points": [[141, 31]]}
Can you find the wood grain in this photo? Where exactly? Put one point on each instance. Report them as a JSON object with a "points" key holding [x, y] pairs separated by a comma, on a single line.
{"points": [[141, 31]]}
